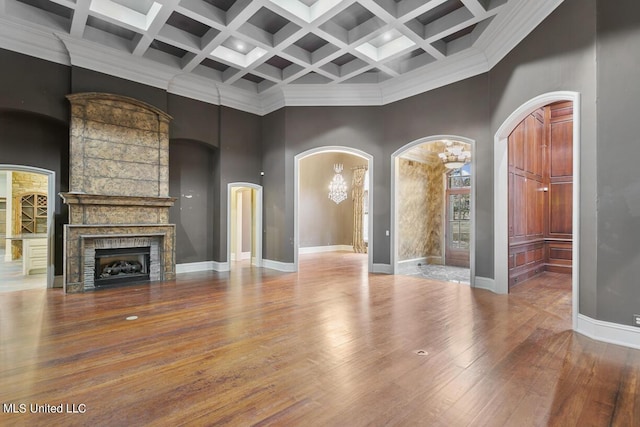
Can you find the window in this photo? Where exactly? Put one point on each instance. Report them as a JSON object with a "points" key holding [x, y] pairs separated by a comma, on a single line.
{"points": [[459, 208]]}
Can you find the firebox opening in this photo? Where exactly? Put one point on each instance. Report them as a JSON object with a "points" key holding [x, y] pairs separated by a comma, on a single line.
{"points": [[122, 265]]}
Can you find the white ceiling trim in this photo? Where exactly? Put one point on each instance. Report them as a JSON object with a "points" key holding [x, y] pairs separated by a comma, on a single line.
{"points": [[517, 20]]}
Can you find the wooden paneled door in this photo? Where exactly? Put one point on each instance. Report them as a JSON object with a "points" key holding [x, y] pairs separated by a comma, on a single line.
{"points": [[458, 233]]}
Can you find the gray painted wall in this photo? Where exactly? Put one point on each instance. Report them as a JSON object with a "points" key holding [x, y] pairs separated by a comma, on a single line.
{"points": [[33, 140], [277, 237], [459, 109], [559, 55], [191, 183], [240, 161], [618, 151]]}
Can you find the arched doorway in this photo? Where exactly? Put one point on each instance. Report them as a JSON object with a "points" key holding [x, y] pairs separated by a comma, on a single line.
{"points": [[244, 223], [367, 201], [454, 214], [29, 203], [501, 190]]}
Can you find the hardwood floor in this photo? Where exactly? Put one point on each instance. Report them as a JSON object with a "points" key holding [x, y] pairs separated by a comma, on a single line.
{"points": [[328, 346]]}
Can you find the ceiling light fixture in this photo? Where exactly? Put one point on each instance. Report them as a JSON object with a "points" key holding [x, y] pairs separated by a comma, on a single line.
{"points": [[337, 186], [454, 155]]}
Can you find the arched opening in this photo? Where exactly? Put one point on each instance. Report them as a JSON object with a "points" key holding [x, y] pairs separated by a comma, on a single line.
{"points": [[359, 171], [501, 190], [27, 204], [433, 208]]}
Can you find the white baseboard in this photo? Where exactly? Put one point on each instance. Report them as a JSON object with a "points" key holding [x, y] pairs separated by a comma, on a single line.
{"points": [[382, 268], [485, 283], [287, 267], [318, 249], [192, 267], [613, 333], [410, 265]]}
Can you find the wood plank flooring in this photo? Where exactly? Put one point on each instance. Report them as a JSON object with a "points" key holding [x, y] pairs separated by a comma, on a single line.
{"points": [[328, 346]]}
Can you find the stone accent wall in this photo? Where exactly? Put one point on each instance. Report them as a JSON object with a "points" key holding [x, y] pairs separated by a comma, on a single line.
{"points": [[421, 210], [119, 185], [119, 147], [23, 183]]}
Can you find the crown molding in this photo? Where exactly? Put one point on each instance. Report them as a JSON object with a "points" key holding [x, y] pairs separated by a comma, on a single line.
{"points": [[513, 26], [450, 70], [332, 95], [272, 101], [26, 39], [194, 87], [493, 45], [240, 99], [96, 57]]}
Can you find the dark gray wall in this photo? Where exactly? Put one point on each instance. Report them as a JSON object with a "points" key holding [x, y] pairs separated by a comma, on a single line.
{"points": [[458, 109], [277, 239], [83, 80], [240, 161], [34, 85], [193, 120], [191, 182], [32, 140], [618, 130], [354, 127], [559, 55]]}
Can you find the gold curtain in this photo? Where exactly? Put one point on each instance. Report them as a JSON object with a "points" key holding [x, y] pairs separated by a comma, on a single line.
{"points": [[358, 194]]}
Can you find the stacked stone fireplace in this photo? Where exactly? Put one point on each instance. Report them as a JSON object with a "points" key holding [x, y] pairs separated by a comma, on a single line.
{"points": [[119, 202]]}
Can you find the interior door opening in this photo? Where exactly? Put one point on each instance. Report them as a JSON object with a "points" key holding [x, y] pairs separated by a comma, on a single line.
{"points": [[25, 229], [244, 227], [540, 184], [433, 209]]}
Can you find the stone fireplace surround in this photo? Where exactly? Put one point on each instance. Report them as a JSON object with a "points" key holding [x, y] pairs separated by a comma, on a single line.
{"points": [[119, 185]]}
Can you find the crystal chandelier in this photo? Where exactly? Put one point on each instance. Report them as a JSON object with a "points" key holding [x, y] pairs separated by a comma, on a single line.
{"points": [[337, 186], [455, 156]]}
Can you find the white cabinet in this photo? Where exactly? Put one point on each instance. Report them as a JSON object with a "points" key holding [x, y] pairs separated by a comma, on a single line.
{"points": [[34, 256]]}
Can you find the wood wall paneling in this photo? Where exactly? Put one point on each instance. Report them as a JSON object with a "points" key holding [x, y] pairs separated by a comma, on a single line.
{"points": [[540, 193]]}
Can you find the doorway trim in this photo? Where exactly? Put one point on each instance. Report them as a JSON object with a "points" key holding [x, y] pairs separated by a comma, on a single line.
{"points": [[501, 188], [296, 196], [51, 207], [395, 204], [257, 228]]}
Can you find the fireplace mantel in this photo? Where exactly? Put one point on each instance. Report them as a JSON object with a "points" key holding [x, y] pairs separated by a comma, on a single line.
{"points": [[101, 199], [119, 183]]}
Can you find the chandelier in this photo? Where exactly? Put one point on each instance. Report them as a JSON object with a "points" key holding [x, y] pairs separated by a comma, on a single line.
{"points": [[455, 156], [337, 186]]}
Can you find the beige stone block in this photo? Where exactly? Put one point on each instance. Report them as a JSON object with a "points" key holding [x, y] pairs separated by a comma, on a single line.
{"points": [[72, 273], [73, 288], [164, 157], [120, 134], [77, 110], [122, 187], [163, 128], [102, 168]]}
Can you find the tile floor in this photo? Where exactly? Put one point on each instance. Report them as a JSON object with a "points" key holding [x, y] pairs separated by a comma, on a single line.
{"points": [[442, 272], [12, 279]]}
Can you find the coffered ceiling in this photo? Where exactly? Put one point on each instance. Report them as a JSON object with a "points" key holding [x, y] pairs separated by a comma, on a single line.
{"points": [[261, 55]]}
